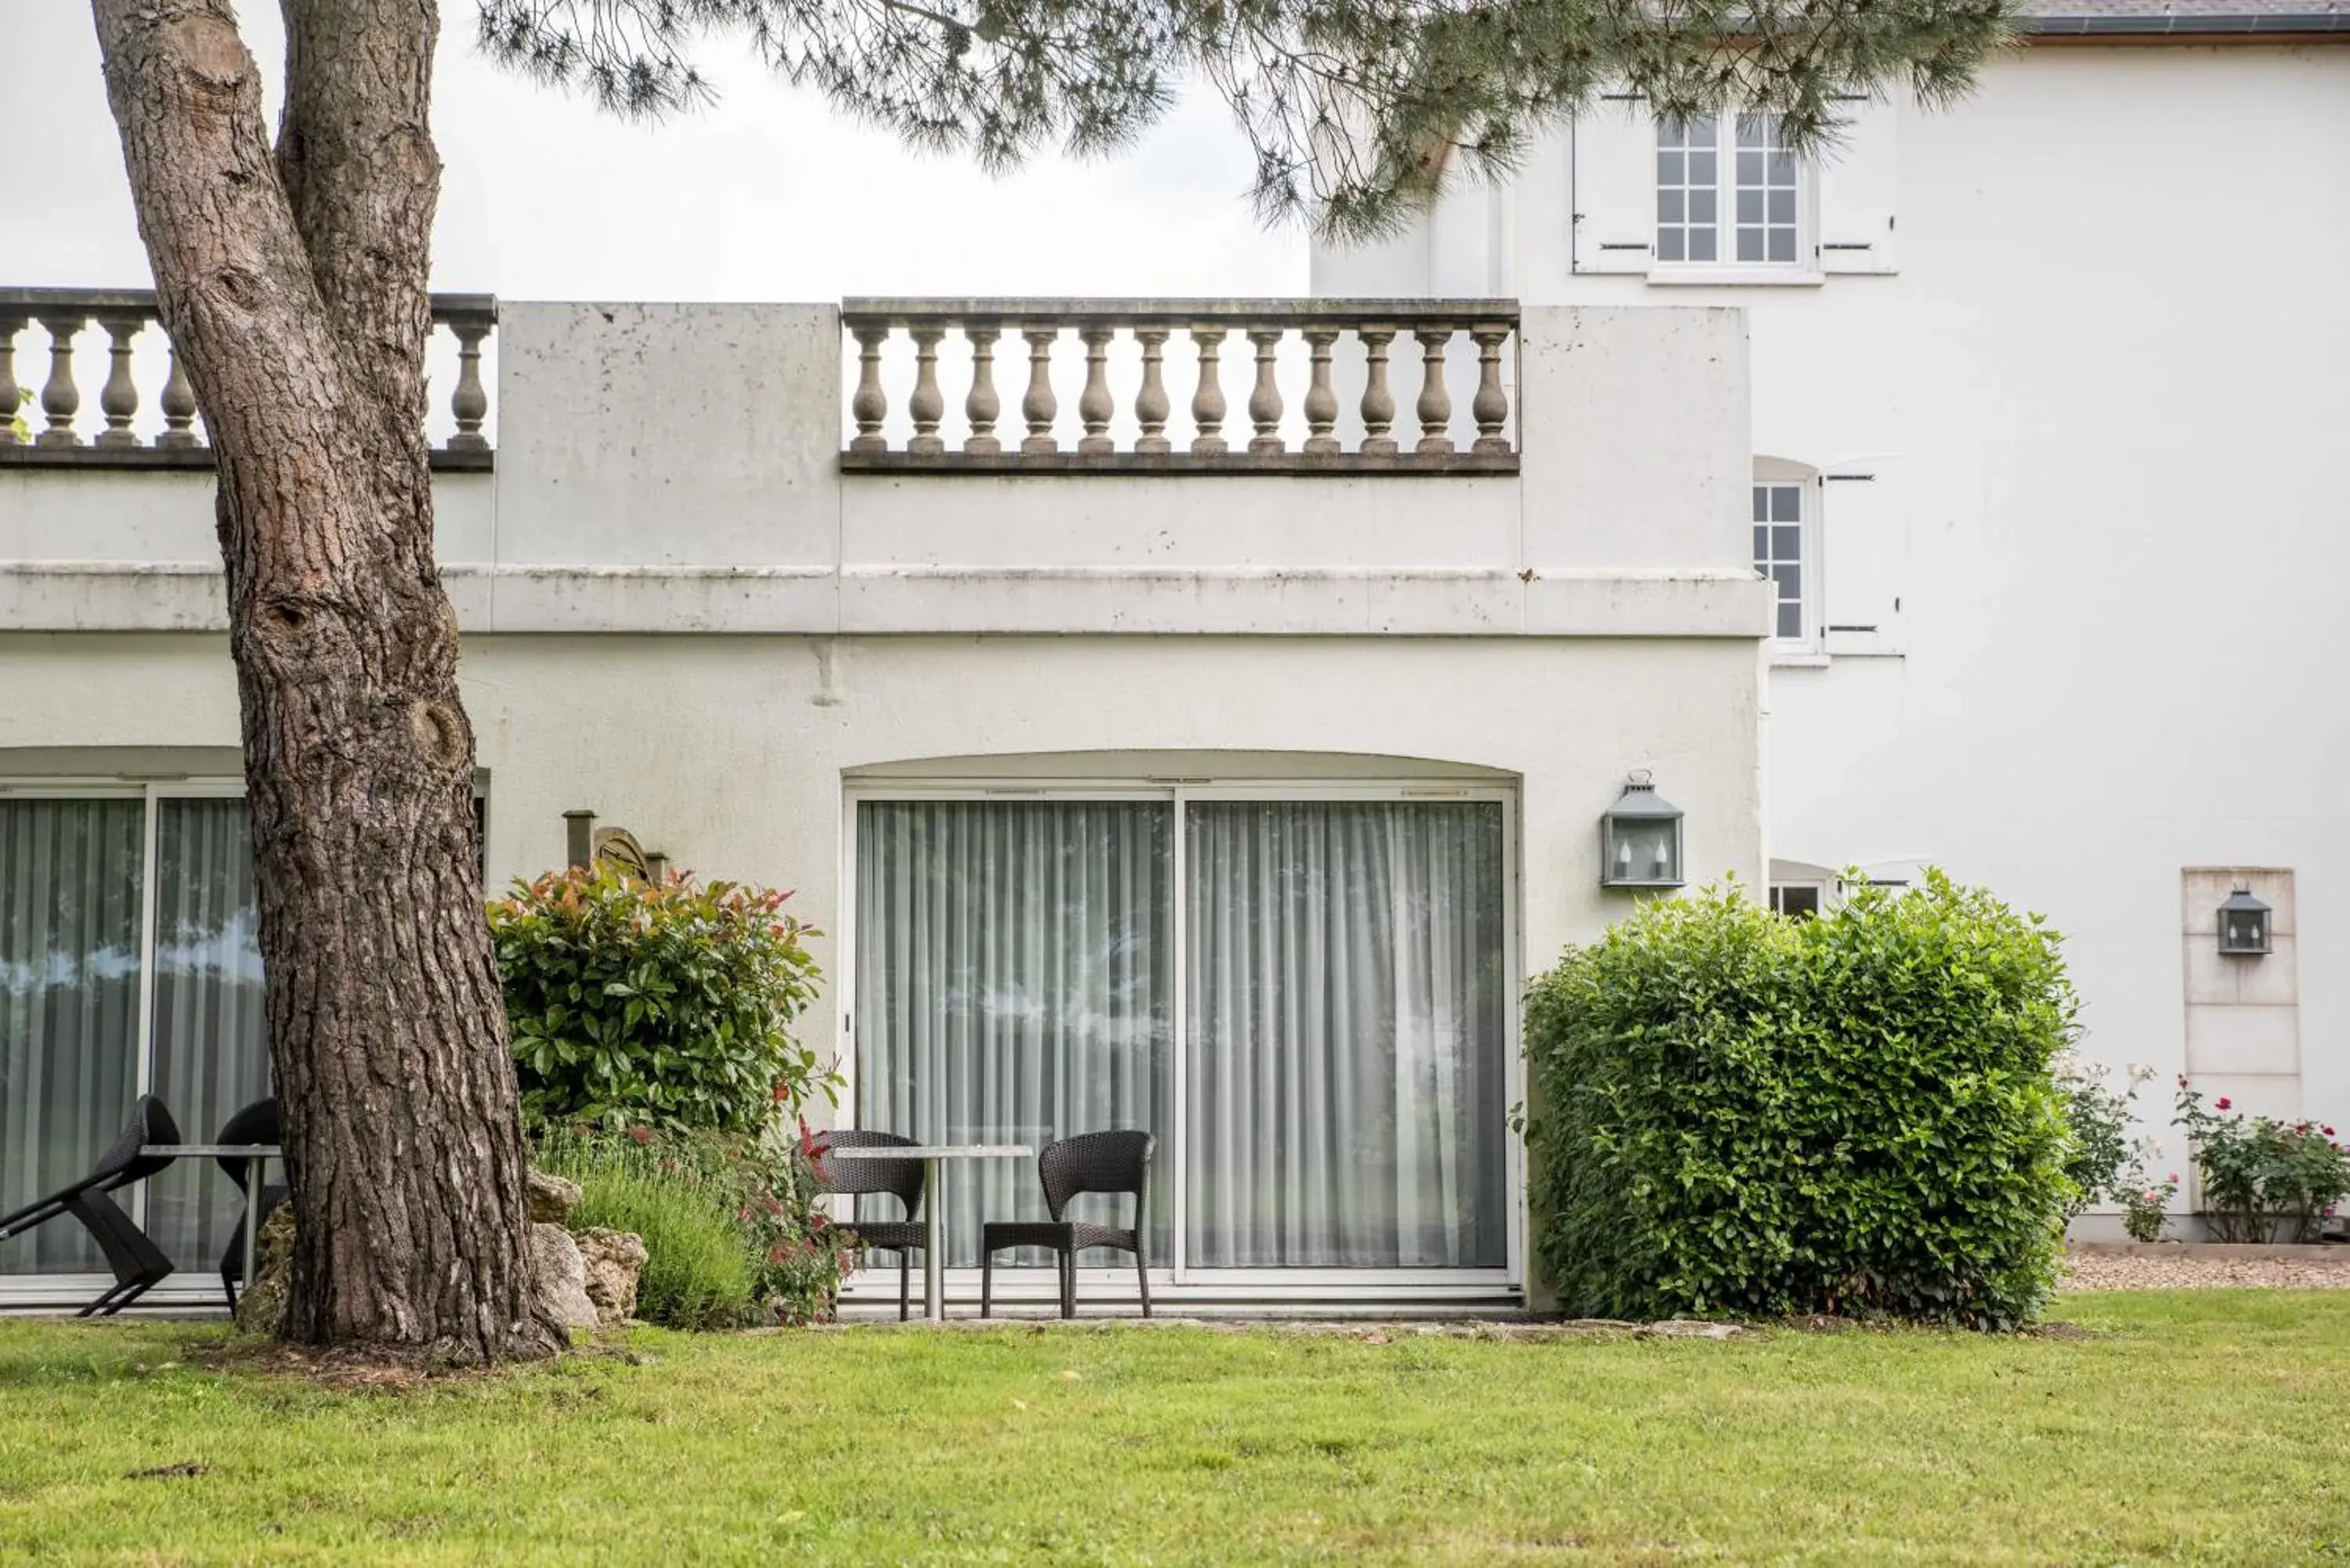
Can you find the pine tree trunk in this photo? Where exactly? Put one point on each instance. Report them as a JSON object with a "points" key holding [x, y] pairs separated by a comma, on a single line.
{"points": [[294, 284]]}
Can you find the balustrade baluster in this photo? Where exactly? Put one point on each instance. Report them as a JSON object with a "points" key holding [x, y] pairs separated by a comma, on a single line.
{"points": [[1378, 403], [1435, 405], [60, 398], [871, 405], [984, 407], [1490, 407], [927, 405], [1151, 405], [1094, 404], [179, 402], [470, 400], [1264, 402], [1208, 402], [1039, 407], [118, 399], [11, 394], [1321, 402]]}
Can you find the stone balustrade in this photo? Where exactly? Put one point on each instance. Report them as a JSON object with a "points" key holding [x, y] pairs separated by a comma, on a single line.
{"points": [[1316, 381], [58, 433]]}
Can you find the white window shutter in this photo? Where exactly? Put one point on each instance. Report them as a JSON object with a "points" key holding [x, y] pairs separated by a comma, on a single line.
{"points": [[1857, 189], [1861, 560], [1615, 185]]}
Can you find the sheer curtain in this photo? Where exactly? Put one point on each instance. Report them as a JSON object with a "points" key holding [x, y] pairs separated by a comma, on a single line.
{"points": [[211, 1052], [69, 918], [1015, 985], [1345, 1009]]}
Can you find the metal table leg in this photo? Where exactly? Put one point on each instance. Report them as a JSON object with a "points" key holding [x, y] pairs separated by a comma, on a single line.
{"points": [[934, 1240], [253, 1185]]}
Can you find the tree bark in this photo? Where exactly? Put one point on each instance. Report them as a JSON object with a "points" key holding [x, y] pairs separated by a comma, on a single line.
{"points": [[294, 284]]}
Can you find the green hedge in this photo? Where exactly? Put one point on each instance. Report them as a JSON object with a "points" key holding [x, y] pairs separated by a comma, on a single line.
{"points": [[1744, 1115]]}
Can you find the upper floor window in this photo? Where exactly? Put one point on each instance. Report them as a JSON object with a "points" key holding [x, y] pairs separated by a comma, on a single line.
{"points": [[1728, 190], [1782, 555]]}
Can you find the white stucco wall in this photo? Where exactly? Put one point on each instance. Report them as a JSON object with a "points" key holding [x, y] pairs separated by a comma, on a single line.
{"points": [[730, 753], [2105, 394]]}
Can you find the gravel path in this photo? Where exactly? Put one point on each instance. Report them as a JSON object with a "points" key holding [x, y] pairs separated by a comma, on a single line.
{"points": [[2188, 1271]]}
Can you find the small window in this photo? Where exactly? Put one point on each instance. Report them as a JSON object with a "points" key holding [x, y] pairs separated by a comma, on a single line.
{"points": [[1728, 191], [1797, 900], [1779, 555]]}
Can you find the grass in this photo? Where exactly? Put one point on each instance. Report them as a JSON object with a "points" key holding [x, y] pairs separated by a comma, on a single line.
{"points": [[2209, 1426]]}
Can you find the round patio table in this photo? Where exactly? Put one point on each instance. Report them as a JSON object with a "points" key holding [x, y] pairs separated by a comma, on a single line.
{"points": [[934, 1157]]}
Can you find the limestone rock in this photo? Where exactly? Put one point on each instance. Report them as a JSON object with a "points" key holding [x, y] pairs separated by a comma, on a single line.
{"points": [[261, 1306], [552, 1199], [614, 1259], [558, 1278]]}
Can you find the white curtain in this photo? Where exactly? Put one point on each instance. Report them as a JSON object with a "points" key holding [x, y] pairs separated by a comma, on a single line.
{"points": [[1015, 985], [70, 915], [211, 1050], [1345, 1009]]}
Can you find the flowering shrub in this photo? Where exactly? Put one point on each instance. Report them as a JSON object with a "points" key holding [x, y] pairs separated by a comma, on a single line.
{"points": [[2264, 1180], [669, 1004], [2145, 1207], [1856, 1113], [2103, 1161], [732, 1231]]}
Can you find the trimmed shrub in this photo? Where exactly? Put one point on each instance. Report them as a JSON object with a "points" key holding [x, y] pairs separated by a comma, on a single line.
{"points": [[733, 1235], [1750, 1116], [633, 1004]]}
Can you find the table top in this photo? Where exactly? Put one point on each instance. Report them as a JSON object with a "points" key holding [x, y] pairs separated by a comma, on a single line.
{"points": [[932, 1151], [264, 1151]]}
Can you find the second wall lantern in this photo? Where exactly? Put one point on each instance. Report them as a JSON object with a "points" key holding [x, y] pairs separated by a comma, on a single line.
{"points": [[1640, 837]]}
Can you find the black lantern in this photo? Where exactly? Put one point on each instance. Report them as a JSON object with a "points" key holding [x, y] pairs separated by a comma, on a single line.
{"points": [[1640, 838], [2243, 924]]}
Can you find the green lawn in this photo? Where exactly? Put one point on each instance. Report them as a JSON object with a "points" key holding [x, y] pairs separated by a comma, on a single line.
{"points": [[2210, 1426]]}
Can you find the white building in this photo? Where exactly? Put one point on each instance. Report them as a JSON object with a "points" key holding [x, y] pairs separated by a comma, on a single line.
{"points": [[2051, 451], [1220, 785]]}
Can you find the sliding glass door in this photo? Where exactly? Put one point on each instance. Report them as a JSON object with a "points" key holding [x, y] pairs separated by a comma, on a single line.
{"points": [[71, 887], [1015, 985], [1345, 1010], [1306, 999], [128, 961]]}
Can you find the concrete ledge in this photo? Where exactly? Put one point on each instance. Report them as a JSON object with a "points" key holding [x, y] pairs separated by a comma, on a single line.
{"points": [[902, 600]]}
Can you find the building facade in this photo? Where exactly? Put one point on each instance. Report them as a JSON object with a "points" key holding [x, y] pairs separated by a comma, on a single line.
{"points": [[2048, 468], [1140, 771]]}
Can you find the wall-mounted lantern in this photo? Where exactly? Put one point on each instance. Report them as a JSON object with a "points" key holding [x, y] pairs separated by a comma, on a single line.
{"points": [[2243, 924], [1640, 837]]}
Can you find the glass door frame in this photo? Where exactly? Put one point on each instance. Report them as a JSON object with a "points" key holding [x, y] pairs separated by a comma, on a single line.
{"points": [[152, 793], [1263, 1284]]}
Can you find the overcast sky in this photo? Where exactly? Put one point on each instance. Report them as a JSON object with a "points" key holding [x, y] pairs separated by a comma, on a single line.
{"points": [[768, 195]]}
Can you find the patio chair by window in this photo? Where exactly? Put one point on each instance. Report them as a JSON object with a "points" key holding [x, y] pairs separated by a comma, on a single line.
{"points": [[137, 1264], [900, 1179], [257, 1123], [1110, 1162]]}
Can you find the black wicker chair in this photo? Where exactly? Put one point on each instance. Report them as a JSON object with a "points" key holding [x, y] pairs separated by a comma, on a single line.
{"points": [[900, 1179], [137, 1264], [1091, 1162], [257, 1123]]}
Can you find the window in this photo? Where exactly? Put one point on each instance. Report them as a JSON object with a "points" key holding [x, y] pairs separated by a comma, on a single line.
{"points": [[1797, 900], [110, 899], [1313, 1016], [1779, 554], [1728, 192]]}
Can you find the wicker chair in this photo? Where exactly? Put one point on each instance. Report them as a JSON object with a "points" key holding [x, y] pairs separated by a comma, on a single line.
{"points": [[137, 1264], [902, 1179], [1091, 1162], [257, 1123]]}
